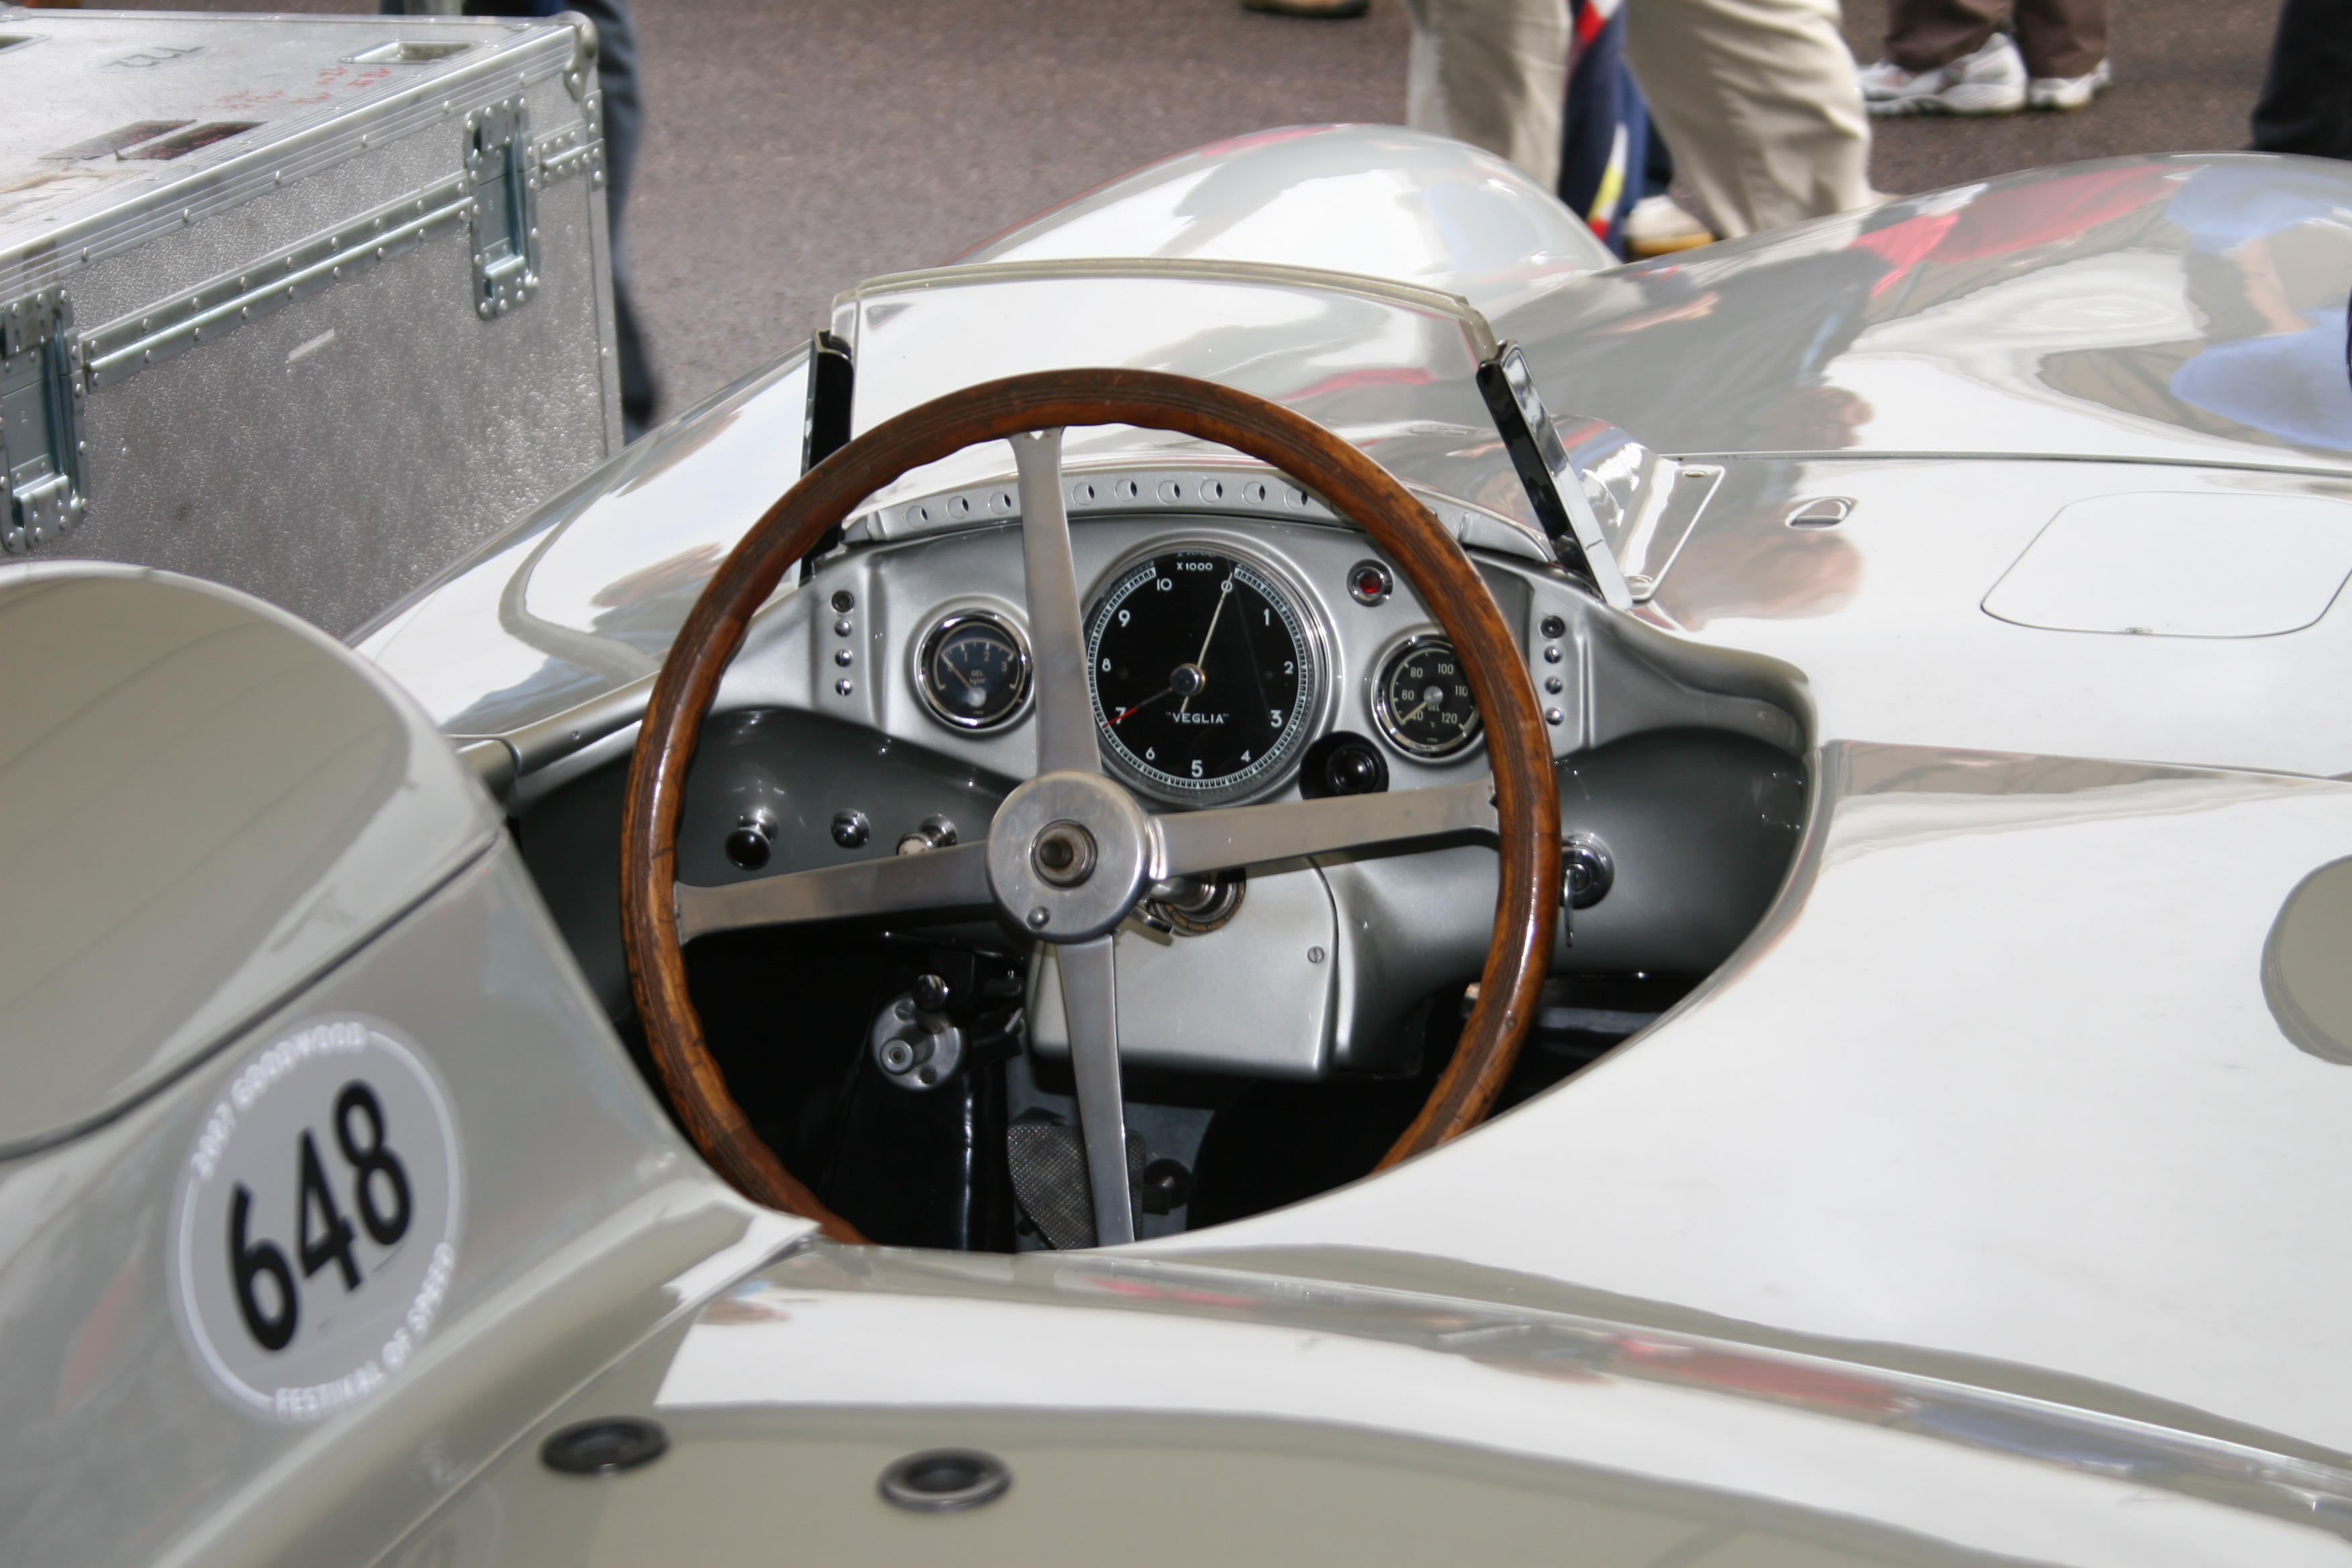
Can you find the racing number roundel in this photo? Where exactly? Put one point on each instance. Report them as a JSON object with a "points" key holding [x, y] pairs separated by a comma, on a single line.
{"points": [[315, 1228]]}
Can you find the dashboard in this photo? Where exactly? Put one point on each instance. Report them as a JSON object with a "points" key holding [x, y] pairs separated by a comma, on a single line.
{"points": [[886, 705]]}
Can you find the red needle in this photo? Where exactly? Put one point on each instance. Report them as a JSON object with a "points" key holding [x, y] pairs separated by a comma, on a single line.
{"points": [[1145, 703]]}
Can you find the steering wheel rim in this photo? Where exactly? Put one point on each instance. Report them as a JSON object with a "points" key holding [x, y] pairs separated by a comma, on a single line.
{"points": [[1525, 803]]}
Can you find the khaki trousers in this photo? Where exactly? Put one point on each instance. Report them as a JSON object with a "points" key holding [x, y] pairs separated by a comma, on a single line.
{"points": [[1493, 73], [1760, 101], [1757, 98], [2057, 37]]}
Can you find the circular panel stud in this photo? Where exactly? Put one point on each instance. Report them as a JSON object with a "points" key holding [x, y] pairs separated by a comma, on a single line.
{"points": [[605, 1446], [944, 1480]]}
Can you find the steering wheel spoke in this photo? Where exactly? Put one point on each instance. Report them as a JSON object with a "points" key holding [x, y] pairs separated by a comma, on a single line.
{"points": [[937, 879], [1195, 843], [1066, 708], [1071, 850], [1091, 1003]]}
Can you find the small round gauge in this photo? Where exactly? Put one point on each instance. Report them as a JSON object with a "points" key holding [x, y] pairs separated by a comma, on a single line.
{"points": [[1422, 698], [973, 671], [1205, 673]]}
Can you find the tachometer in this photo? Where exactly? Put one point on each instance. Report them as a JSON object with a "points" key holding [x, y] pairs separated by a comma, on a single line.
{"points": [[1204, 675]]}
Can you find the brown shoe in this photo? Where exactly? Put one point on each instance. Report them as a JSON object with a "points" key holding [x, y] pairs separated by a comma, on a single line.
{"points": [[1328, 10]]}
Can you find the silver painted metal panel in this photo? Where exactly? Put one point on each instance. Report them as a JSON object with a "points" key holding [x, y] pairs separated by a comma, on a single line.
{"points": [[2178, 564], [2049, 1122], [1357, 1405], [589, 1225], [1377, 200], [210, 806], [1885, 612], [2184, 308]]}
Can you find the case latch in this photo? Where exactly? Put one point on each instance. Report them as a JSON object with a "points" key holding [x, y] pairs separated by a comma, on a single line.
{"points": [[499, 160], [40, 420]]}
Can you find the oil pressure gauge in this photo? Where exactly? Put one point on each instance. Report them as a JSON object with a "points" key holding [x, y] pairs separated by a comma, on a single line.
{"points": [[1422, 699], [973, 671]]}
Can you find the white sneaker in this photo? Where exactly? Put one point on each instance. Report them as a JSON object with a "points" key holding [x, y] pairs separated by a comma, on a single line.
{"points": [[1659, 225], [1992, 80], [2068, 91]]}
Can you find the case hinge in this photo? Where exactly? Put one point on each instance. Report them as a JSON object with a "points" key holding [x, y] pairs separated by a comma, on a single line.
{"points": [[40, 420], [504, 168]]}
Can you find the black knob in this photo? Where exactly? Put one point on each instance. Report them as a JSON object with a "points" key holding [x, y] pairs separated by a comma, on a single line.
{"points": [[930, 993], [748, 846], [850, 829], [1355, 770], [1587, 871], [1167, 1186]]}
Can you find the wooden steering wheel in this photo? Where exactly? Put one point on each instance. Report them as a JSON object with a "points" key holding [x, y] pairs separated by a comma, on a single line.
{"points": [[1071, 853]]}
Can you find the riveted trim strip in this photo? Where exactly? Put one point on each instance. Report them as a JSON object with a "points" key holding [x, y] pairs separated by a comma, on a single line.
{"points": [[212, 310]]}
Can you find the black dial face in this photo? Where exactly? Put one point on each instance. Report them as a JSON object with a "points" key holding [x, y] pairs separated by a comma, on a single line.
{"points": [[972, 671], [1422, 699], [1204, 675]]}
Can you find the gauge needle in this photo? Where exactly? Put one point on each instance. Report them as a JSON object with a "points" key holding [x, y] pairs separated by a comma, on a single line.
{"points": [[1145, 703], [1225, 592], [1416, 714]]}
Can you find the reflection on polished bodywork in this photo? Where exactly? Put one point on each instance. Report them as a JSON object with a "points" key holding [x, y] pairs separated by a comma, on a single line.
{"points": [[1887, 611], [1373, 199], [2107, 1180], [584, 595], [2179, 308], [1333, 1398]]}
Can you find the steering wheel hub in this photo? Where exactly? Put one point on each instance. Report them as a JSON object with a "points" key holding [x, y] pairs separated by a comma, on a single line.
{"points": [[1064, 854], [1071, 847]]}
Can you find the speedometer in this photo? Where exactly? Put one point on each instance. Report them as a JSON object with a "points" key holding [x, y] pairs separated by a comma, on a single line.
{"points": [[1204, 675]]}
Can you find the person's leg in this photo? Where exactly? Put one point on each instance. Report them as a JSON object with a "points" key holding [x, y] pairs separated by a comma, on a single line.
{"points": [[2062, 39], [2306, 102], [1760, 101], [1604, 130], [1922, 35], [616, 76], [1493, 73]]}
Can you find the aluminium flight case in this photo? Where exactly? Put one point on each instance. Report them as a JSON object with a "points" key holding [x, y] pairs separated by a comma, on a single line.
{"points": [[308, 305]]}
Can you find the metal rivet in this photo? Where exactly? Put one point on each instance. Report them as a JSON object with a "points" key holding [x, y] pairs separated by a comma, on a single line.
{"points": [[842, 628], [842, 688], [842, 657], [1554, 684], [1037, 918], [1552, 656], [1553, 716], [604, 1448], [1314, 955], [945, 1480]]}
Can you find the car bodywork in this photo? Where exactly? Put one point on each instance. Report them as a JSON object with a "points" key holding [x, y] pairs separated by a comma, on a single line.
{"points": [[1974, 1206]]}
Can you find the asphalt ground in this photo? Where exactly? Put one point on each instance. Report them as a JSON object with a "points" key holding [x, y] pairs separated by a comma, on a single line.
{"points": [[793, 147]]}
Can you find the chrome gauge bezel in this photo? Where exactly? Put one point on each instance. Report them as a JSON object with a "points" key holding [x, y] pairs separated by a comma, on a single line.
{"points": [[956, 620], [1278, 765], [1384, 719]]}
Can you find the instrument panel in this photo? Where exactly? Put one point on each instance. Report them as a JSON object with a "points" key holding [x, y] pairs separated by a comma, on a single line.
{"points": [[1230, 659]]}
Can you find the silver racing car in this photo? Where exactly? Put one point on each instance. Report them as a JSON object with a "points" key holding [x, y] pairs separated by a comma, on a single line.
{"points": [[1280, 872]]}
